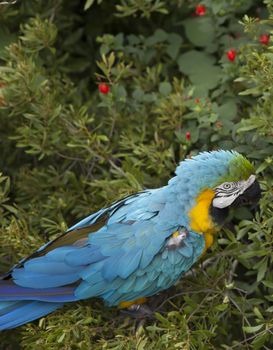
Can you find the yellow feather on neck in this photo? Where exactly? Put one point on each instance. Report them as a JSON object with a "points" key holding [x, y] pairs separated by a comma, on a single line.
{"points": [[200, 219]]}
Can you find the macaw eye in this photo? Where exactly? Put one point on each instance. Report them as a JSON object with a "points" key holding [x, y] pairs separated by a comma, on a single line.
{"points": [[227, 186]]}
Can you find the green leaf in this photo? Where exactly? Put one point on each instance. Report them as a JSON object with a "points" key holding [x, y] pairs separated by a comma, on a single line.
{"points": [[175, 42], [165, 88], [119, 92], [227, 110], [221, 307], [61, 338], [158, 37], [138, 94], [268, 284], [262, 167], [88, 4], [200, 31], [262, 270], [193, 61], [247, 128], [253, 329], [260, 340], [200, 68], [270, 309]]}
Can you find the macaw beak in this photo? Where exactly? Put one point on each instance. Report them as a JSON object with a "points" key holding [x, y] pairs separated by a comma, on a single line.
{"points": [[250, 197]]}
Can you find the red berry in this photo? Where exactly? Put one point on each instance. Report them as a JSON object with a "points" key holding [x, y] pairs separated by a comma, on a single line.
{"points": [[104, 88], [264, 39], [231, 54], [197, 100], [188, 135], [200, 10]]}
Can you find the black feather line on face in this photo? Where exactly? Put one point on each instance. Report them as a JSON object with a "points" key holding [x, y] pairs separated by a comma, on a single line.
{"points": [[234, 190]]}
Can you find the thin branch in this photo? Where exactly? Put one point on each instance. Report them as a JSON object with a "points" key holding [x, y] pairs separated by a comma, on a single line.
{"points": [[250, 338], [12, 2]]}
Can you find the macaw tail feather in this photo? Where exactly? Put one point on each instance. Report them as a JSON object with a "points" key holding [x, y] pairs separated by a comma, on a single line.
{"points": [[20, 305], [17, 313]]}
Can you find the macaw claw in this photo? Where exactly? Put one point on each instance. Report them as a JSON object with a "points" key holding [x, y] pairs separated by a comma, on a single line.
{"points": [[139, 311]]}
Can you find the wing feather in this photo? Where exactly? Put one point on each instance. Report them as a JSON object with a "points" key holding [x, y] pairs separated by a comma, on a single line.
{"points": [[119, 253]]}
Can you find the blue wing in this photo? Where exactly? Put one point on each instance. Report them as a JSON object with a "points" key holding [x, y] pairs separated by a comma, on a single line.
{"points": [[120, 253]]}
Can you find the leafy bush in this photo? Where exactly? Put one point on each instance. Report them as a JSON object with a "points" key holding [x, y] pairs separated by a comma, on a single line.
{"points": [[179, 83]]}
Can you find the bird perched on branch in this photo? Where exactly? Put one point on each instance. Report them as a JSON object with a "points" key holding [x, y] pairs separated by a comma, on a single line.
{"points": [[136, 247]]}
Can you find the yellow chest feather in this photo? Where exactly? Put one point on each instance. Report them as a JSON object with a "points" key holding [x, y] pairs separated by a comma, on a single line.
{"points": [[200, 220]]}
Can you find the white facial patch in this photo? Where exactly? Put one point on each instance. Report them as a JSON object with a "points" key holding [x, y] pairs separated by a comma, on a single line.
{"points": [[227, 192]]}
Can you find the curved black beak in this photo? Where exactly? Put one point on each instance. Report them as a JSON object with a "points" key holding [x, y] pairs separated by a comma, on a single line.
{"points": [[250, 197]]}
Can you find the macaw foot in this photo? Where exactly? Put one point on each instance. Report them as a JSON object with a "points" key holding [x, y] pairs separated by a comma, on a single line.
{"points": [[139, 311], [136, 308]]}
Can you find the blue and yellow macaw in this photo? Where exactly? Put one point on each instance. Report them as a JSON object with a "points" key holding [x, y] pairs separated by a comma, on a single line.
{"points": [[136, 247]]}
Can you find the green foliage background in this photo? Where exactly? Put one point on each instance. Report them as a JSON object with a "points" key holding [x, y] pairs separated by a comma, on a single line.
{"points": [[67, 150]]}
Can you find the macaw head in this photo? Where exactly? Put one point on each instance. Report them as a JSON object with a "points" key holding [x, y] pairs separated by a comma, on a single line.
{"points": [[218, 179]]}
